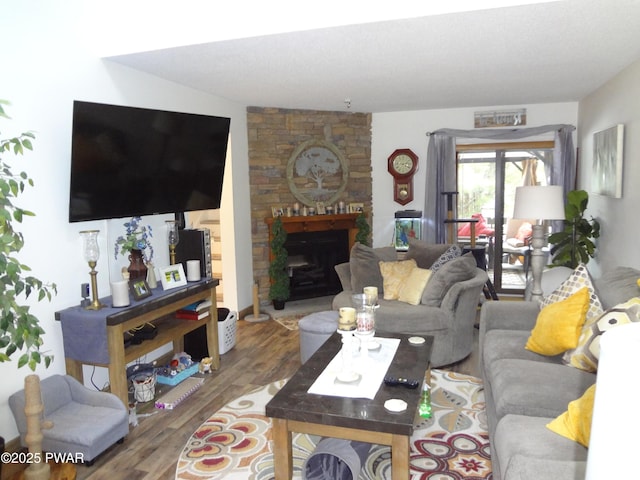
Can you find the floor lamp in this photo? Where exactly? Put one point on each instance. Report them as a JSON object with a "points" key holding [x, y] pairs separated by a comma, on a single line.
{"points": [[538, 203]]}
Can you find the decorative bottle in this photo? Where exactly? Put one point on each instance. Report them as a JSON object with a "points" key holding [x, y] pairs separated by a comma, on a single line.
{"points": [[425, 401]]}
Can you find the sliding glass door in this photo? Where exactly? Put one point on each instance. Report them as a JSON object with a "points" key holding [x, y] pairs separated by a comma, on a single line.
{"points": [[487, 179]]}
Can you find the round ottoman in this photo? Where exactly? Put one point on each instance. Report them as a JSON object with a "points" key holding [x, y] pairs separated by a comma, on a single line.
{"points": [[315, 329]]}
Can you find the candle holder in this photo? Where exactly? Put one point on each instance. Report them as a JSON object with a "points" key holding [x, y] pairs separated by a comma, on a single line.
{"points": [[91, 253], [173, 237]]}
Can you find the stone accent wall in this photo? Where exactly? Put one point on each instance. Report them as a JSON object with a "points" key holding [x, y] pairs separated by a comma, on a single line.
{"points": [[274, 134]]}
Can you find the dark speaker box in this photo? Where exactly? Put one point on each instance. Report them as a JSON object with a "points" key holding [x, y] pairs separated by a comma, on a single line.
{"points": [[195, 244]]}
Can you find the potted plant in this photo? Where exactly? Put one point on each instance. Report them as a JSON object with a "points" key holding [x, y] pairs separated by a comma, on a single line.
{"points": [[279, 290], [364, 230], [137, 245], [20, 330], [575, 244]]}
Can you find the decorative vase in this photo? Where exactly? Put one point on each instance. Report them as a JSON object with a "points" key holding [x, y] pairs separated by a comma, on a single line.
{"points": [[137, 268]]}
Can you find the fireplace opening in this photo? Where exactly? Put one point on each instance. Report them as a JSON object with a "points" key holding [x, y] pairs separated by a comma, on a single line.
{"points": [[311, 260]]}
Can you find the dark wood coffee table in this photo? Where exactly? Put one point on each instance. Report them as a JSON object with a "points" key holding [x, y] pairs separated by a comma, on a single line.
{"points": [[292, 409]]}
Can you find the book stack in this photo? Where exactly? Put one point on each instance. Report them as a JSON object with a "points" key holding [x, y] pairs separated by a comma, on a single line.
{"points": [[195, 311]]}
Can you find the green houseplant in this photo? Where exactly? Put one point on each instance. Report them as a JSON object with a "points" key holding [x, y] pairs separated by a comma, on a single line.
{"points": [[20, 330], [575, 244], [279, 290], [364, 230]]}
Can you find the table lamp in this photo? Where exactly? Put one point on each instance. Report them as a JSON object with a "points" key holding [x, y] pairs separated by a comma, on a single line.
{"points": [[173, 237], [538, 203], [91, 253]]}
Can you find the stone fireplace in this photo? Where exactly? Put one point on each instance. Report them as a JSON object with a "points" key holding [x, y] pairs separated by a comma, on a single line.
{"points": [[274, 134], [314, 246]]}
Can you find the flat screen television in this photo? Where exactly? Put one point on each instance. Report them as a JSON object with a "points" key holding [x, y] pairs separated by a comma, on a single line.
{"points": [[128, 161]]}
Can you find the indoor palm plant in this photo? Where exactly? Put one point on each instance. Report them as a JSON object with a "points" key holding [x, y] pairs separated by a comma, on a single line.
{"points": [[575, 244], [279, 290], [20, 330]]}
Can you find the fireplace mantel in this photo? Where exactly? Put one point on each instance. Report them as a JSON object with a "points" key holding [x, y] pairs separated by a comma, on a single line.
{"points": [[319, 223]]}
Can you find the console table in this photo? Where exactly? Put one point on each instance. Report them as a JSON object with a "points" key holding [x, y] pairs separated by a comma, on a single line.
{"points": [[96, 337]]}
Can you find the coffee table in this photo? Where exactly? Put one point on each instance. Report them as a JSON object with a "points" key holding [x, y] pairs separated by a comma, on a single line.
{"points": [[292, 409]]}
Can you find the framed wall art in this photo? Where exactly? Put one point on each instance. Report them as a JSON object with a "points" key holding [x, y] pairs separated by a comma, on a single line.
{"points": [[607, 161]]}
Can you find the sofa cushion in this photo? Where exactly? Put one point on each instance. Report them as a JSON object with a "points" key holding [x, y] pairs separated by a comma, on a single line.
{"points": [[425, 253], [393, 275], [558, 325], [500, 344], [524, 448], [586, 355], [363, 263], [413, 285], [454, 251], [617, 285], [578, 279], [538, 389], [575, 422], [457, 270]]}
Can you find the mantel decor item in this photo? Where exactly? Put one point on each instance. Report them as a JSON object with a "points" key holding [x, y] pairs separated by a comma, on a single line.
{"points": [[173, 237], [137, 245], [20, 330], [91, 252], [317, 171]]}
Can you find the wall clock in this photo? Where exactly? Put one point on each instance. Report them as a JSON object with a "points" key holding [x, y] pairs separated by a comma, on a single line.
{"points": [[402, 165]]}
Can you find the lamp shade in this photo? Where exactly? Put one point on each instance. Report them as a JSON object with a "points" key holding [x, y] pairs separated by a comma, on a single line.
{"points": [[539, 203]]}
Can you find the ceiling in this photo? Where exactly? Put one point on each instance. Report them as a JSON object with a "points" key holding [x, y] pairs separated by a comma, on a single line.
{"points": [[549, 52]]}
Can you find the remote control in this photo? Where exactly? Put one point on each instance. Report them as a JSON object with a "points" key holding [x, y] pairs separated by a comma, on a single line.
{"points": [[405, 382]]}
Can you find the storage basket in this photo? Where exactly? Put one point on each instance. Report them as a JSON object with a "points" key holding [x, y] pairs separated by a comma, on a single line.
{"points": [[144, 387], [227, 323]]}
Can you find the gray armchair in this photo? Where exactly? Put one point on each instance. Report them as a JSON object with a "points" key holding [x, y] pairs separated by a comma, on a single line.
{"points": [[448, 315], [85, 421]]}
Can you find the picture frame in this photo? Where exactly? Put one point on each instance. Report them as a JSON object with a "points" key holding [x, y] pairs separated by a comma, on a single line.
{"points": [[139, 288], [607, 161], [277, 211], [173, 276], [356, 207]]}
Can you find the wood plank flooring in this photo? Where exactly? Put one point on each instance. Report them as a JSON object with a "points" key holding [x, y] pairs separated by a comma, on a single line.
{"points": [[264, 352]]}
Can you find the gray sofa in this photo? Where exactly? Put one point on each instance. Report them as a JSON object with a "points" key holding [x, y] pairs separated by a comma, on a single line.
{"points": [[524, 391], [449, 312]]}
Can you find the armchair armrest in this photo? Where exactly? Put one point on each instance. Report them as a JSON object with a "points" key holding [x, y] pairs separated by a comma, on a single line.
{"points": [[86, 396]]}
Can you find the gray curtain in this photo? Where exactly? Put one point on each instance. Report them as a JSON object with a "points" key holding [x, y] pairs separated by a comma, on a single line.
{"points": [[441, 167]]}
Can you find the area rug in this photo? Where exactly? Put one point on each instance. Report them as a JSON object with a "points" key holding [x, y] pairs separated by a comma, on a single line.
{"points": [[290, 322], [235, 443]]}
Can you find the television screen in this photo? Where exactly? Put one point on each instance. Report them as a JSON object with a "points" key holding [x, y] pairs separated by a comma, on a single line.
{"points": [[128, 161]]}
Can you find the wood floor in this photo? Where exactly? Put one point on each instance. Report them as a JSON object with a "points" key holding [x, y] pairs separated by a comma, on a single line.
{"points": [[264, 352]]}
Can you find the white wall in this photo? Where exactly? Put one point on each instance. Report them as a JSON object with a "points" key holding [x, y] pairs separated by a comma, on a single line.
{"points": [[391, 131], [47, 65], [617, 101]]}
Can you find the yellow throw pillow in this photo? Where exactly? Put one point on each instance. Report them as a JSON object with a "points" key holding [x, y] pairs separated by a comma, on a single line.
{"points": [[575, 423], [558, 325], [393, 273], [413, 285]]}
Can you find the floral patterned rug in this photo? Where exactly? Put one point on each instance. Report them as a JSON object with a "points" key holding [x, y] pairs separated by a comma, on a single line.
{"points": [[235, 443]]}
